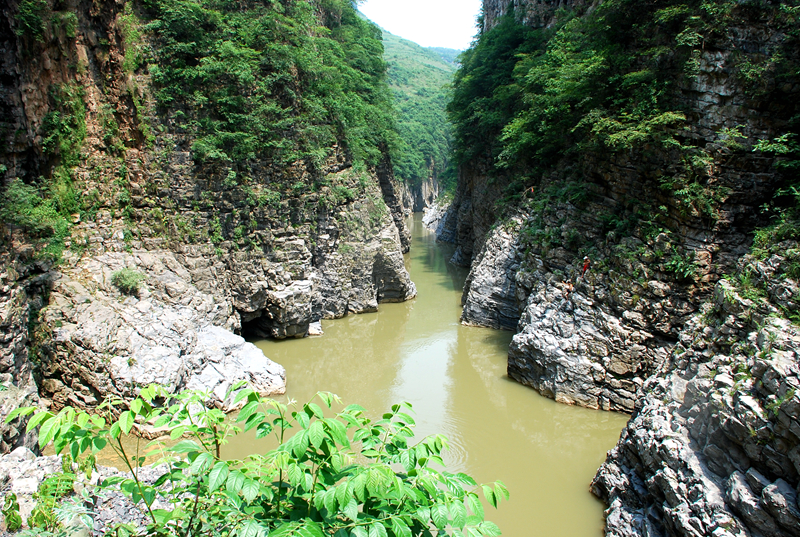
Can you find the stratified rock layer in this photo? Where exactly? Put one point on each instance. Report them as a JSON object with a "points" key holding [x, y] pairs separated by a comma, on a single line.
{"points": [[713, 447]]}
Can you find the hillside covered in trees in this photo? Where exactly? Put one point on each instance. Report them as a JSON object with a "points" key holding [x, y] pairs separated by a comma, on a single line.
{"points": [[419, 79]]}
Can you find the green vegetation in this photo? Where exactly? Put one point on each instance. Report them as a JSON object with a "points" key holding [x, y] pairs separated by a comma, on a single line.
{"points": [[31, 18], [418, 78], [599, 81], [266, 79], [11, 514], [53, 488], [64, 127], [334, 472], [38, 214], [449, 55], [128, 280], [44, 210]]}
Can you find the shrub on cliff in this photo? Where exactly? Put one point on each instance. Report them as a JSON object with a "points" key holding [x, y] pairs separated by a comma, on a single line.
{"points": [[332, 474], [609, 79], [127, 280], [38, 214]]}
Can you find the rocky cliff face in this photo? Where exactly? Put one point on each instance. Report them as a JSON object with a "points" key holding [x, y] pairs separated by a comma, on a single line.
{"points": [[219, 252], [15, 366], [533, 13], [712, 448], [653, 328], [646, 279]]}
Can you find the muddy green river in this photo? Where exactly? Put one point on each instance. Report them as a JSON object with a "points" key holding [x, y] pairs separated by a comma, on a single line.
{"points": [[455, 376]]}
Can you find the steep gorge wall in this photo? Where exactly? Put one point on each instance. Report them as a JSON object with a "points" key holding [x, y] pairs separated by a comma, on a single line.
{"points": [[268, 249], [586, 206], [653, 328]]}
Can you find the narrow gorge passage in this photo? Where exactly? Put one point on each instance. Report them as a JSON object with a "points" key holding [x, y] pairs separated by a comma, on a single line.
{"points": [[455, 376]]}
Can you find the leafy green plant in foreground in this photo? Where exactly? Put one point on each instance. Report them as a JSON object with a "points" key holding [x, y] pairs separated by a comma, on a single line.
{"points": [[333, 473]]}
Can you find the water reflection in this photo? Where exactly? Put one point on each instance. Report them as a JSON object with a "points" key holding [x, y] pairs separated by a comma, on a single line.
{"points": [[455, 376]]}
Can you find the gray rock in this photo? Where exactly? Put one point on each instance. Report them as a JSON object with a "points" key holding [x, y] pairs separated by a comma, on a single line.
{"points": [[780, 501], [490, 292], [746, 504]]}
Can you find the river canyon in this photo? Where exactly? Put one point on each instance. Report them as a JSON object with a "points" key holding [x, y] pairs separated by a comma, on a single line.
{"points": [[190, 198]]}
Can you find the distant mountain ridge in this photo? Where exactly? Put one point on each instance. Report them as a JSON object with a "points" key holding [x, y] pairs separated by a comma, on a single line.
{"points": [[450, 55], [419, 78]]}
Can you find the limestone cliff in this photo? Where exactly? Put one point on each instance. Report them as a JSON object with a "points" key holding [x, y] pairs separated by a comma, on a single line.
{"points": [[655, 255], [256, 246], [657, 326]]}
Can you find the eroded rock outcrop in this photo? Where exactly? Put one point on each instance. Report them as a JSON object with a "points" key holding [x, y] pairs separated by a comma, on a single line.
{"points": [[101, 343], [712, 448], [16, 367], [490, 292]]}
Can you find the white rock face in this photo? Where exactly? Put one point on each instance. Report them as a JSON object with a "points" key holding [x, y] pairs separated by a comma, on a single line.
{"points": [[171, 334]]}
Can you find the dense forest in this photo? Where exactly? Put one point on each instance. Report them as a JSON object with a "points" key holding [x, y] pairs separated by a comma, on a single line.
{"points": [[607, 80], [419, 79]]}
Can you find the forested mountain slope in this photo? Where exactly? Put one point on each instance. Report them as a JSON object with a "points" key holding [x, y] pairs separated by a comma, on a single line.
{"points": [[174, 171], [627, 203], [419, 79]]}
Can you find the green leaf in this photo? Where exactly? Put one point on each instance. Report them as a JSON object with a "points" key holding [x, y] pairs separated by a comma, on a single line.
{"points": [[17, 412], [247, 411], [283, 530], [126, 421], [351, 510], [148, 393], [359, 484], [329, 498], [300, 443], [359, 531], [474, 532], [302, 419], [400, 528], [177, 432], [295, 474], [98, 443], [83, 419], [316, 434], [254, 421], [490, 529], [315, 410], [201, 464], [263, 430], [475, 505], [250, 490], [338, 431], [235, 482], [251, 528], [343, 495], [458, 514], [162, 516], [242, 394], [48, 431], [500, 490], [378, 530], [313, 529], [490, 497], [37, 419], [439, 515], [218, 476], [327, 398], [186, 446], [136, 406]]}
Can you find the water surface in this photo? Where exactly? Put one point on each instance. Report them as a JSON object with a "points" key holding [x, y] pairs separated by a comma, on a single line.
{"points": [[455, 376]]}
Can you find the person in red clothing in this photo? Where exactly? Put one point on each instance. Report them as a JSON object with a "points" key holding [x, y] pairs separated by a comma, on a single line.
{"points": [[586, 264]]}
